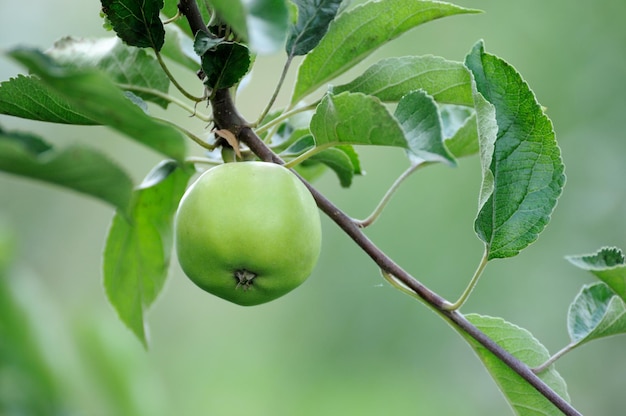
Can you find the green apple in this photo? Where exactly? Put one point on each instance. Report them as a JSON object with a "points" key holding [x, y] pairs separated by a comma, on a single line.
{"points": [[248, 232]]}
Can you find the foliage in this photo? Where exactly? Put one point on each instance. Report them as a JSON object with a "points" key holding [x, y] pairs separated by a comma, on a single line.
{"points": [[435, 109]]}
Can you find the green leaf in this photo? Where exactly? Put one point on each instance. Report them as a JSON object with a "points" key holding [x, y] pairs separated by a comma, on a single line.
{"points": [[392, 78], [79, 168], [225, 64], [123, 64], [203, 42], [353, 156], [347, 119], [137, 251], [340, 160], [460, 130], [302, 141], [100, 100], [487, 130], [358, 32], [314, 16], [523, 397], [522, 168], [596, 312], [136, 22], [419, 117], [607, 264], [28, 97]]}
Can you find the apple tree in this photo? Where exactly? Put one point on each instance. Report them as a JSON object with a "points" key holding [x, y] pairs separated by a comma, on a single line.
{"points": [[253, 213]]}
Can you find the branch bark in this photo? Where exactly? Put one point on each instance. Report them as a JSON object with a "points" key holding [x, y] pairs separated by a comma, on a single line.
{"points": [[225, 116]]}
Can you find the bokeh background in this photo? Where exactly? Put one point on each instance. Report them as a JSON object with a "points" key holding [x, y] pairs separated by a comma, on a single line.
{"points": [[344, 342]]}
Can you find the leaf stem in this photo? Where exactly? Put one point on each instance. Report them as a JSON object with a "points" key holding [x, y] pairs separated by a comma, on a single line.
{"points": [[272, 100], [304, 156], [202, 160], [472, 284], [187, 133], [175, 82], [174, 18], [543, 367], [399, 285], [168, 98], [387, 197], [283, 117]]}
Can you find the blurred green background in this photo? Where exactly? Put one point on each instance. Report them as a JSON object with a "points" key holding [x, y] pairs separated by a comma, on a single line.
{"points": [[345, 342]]}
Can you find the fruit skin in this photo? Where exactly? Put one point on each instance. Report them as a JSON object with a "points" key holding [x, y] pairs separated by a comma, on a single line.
{"points": [[254, 220]]}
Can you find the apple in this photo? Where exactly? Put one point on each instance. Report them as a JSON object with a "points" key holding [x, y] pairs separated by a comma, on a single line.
{"points": [[248, 232]]}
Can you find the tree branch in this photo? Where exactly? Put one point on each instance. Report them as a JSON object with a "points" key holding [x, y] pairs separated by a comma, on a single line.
{"points": [[225, 116], [436, 302], [189, 9]]}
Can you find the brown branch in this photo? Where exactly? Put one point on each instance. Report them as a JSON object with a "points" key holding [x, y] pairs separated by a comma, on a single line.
{"points": [[226, 117], [189, 9], [247, 136]]}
